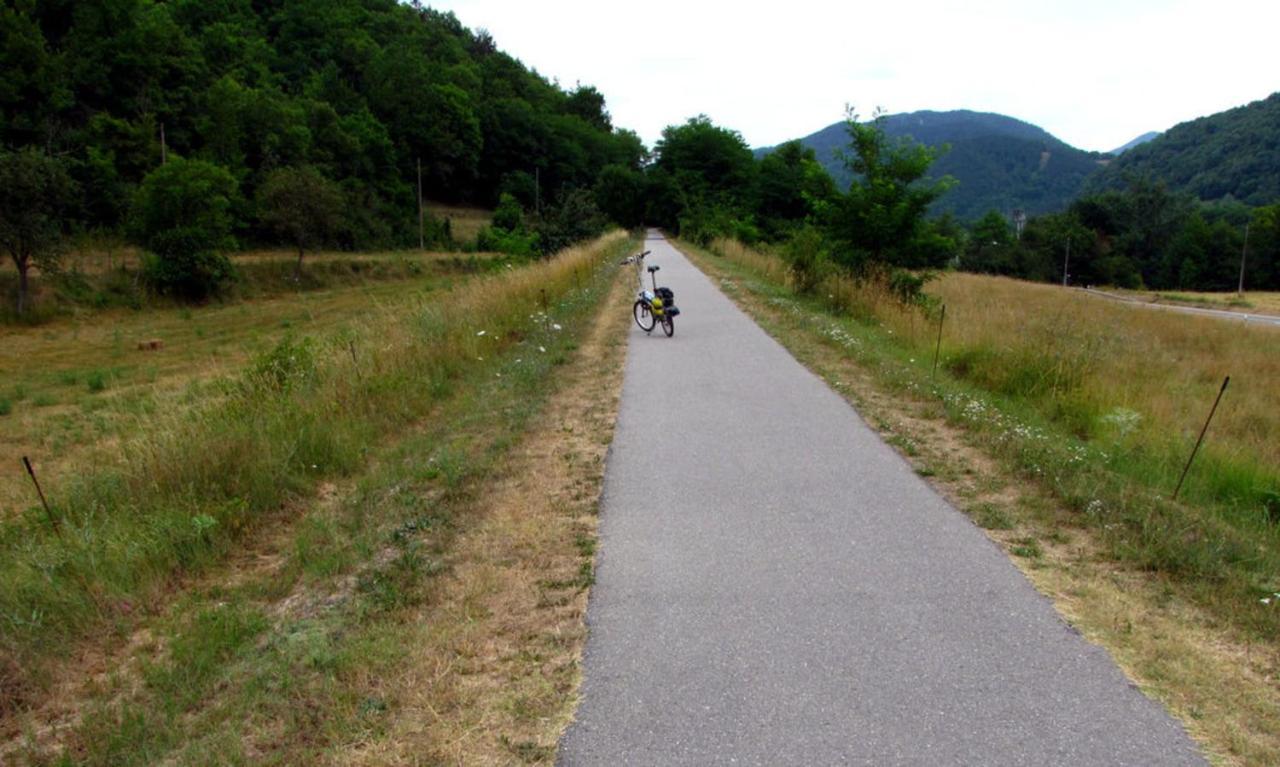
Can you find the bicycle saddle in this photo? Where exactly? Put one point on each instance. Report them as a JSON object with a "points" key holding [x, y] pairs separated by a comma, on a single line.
{"points": [[654, 268]]}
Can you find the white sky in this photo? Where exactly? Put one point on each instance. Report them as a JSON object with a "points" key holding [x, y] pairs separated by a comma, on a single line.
{"points": [[1095, 73]]}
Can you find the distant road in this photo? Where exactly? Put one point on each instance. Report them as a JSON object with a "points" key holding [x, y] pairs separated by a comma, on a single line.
{"points": [[1222, 314], [776, 586]]}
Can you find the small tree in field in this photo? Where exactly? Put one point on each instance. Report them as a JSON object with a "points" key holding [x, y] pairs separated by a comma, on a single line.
{"points": [[300, 205], [182, 214], [35, 191], [880, 220]]}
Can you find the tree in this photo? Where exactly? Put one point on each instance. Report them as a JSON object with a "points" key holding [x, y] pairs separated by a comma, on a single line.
{"points": [[183, 215], [574, 217], [508, 216], [990, 241], [620, 194], [879, 220], [35, 191], [706, 160], [791, 186], [302, 206]]}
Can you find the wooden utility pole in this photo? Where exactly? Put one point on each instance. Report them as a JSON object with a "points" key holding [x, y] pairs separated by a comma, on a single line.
{"points": [[1243, 253], [164, 148], [1066, 262], [422, 245]]}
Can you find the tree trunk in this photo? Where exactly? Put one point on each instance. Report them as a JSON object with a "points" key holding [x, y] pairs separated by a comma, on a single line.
{"points": [[23, 265]]}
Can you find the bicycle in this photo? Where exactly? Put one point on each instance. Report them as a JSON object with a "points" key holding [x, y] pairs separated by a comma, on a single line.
{"points": [[655, 306]]}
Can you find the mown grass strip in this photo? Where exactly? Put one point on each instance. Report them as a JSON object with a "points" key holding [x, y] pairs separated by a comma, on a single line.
{"points": [[187, 491]]}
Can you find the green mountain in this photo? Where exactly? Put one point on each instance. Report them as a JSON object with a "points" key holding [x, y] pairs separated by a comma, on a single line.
{"points": [[1001, 163], [1235, 153], [1139, 141]]}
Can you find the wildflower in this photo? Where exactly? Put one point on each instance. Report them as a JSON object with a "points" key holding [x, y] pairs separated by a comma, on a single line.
{"points": [[482, 332], [542, 349], [555, 326]]}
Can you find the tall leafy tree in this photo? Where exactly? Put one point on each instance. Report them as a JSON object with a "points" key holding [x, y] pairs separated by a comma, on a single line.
{"points": [[880, 220], [35, 191], [792, 185], [184, 215], [301, 206]]}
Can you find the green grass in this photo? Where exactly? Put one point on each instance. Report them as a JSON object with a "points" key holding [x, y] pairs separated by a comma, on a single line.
{"points": [[188, 490], [237, 674]]}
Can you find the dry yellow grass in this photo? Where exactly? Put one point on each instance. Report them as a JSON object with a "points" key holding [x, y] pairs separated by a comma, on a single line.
{"points": [[1165, 367], [495, 672], [98, 260], [1252, 302], [464, 222]]}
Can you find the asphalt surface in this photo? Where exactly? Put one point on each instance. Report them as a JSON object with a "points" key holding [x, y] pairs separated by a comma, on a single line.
{"points": [[777, 586], [1222, 314]]}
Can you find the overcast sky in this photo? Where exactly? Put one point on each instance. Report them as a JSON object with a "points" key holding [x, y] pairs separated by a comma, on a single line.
{"points": [[1095, 73]]}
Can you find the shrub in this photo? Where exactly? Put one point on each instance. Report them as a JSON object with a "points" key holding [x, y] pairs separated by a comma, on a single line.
{"points": [[508, 215], [807, 258], [183, 216]]}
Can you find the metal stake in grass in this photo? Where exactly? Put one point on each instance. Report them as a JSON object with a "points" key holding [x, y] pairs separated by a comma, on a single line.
{"points": [[937, 349], [47, 511], [351, 346], [1196, 449]]}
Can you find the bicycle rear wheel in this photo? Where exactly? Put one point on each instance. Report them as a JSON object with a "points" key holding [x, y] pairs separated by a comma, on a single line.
{"points": [[668, 325], [643, 314]]}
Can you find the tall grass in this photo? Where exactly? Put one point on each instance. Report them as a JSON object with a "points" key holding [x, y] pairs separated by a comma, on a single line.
{"points": [[1099, 403], [185, 491]]}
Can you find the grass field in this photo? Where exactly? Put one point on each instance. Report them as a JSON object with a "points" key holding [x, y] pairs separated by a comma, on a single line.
{"points": [[423, 602], [464, 222], [1251, 302], [74, 386], [1061, 424], [234, 440]]}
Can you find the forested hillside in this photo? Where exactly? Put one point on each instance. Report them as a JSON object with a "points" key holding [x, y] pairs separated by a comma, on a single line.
{"points": [[1235, 153], [356, 90], [1000, 163], [1136, 142]]}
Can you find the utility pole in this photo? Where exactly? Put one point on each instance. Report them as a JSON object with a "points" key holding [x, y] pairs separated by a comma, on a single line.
{"points": [[1243, 253], [1066, 262], [421, 242], [164, 149]]}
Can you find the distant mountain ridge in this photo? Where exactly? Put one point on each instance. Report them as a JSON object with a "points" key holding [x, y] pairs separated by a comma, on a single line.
{"points": [[1001, 163], [1139, 141], [1231, 154]]}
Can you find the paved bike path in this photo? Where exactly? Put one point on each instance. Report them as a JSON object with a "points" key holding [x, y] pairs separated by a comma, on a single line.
{"points": [[777, 586]]}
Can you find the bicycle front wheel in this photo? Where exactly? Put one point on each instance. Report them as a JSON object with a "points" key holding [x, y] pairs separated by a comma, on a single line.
{"points": [[668, 325], [644, 315]]}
